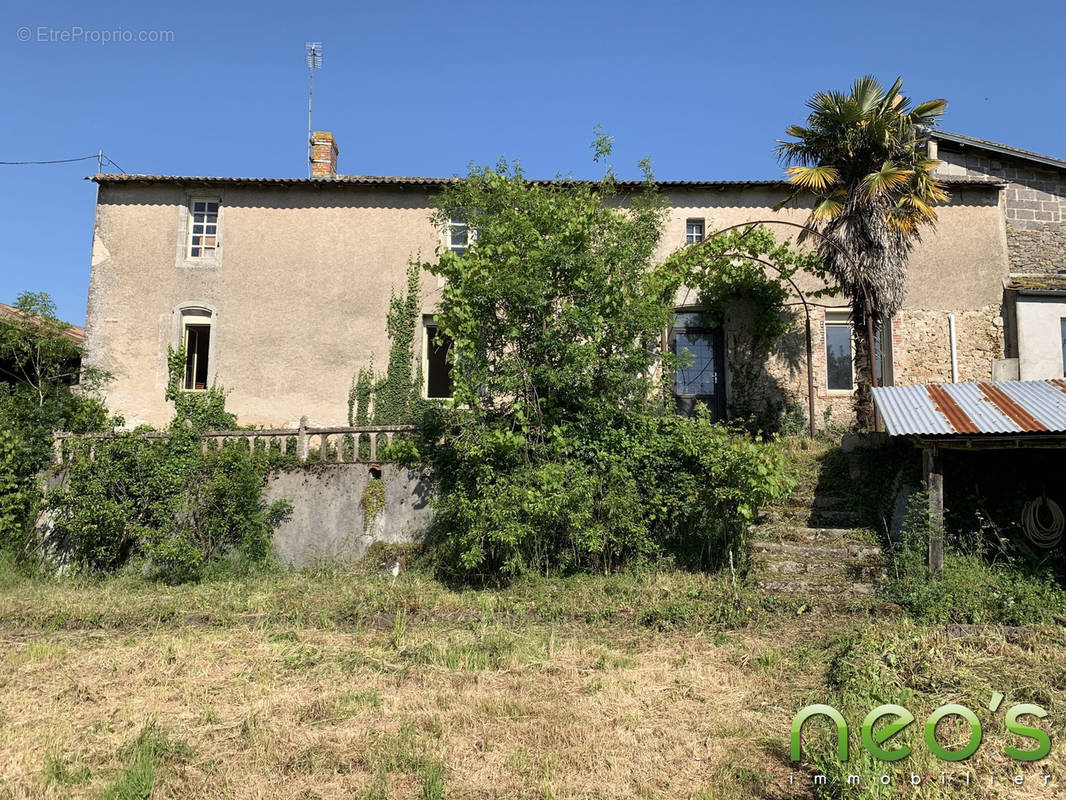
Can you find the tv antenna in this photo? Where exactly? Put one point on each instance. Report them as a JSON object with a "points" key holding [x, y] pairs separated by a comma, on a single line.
{"points": [[314, 61]]}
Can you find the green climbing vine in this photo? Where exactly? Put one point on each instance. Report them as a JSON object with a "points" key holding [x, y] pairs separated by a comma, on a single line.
{"points": [[394, 398], [730, 273], [205, 409]]}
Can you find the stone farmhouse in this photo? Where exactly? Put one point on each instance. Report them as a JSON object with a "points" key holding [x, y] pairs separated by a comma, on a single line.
{"points": [[278, 287]]}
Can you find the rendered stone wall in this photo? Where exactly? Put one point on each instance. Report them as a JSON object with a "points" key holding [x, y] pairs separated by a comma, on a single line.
{"points": [[327, 518], [1035, 205], [920, 353]]}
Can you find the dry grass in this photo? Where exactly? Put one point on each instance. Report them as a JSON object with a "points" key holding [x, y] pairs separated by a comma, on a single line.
{"points": [[331, 684], [326, 714]]}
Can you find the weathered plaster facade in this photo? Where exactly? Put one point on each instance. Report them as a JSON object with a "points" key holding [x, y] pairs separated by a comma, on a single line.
{"points": [[298, 287]]}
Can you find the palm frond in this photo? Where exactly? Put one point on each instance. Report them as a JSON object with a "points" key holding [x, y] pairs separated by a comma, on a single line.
{"points": [[829, 207], [890, 176], [815, 177]]}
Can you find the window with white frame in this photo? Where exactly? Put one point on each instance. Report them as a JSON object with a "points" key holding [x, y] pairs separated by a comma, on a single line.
{"points": [[458, 236], [435, 363], [839, 354], [203, 228], [693, 231], [196, 339]]}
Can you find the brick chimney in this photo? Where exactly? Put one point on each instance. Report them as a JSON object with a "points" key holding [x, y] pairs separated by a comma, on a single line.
{"points": [[323, 155]]}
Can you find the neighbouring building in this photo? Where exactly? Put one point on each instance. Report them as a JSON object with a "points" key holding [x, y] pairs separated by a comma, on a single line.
{"points": [[279, 287], [12, 372], [1034, 210]]}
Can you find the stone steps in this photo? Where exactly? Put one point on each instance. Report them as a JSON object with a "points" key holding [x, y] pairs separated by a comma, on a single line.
{"points": [[815, 588], [816, 570], [817, 517], [819, 551], [809, 547]]}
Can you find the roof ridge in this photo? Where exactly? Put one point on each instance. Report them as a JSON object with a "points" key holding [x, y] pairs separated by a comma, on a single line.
{"points": [[1006, 149], [371, 180]]}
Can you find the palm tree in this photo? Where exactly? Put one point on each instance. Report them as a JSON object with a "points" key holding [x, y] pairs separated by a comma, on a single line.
{"points": [[863, 157]]}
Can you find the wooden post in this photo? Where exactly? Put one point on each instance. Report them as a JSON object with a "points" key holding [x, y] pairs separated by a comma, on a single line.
{"points": [[933, 475]]}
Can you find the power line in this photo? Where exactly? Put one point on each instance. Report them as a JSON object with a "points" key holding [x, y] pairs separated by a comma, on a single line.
{"points": [[116, 166], [100, 157], [56, 161]]}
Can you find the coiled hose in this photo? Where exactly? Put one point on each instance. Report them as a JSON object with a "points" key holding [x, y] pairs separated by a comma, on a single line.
{"points": [[1045, 536]]}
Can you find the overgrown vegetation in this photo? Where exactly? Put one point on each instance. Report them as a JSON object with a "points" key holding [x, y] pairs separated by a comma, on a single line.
{"points": [[750, 272], [976, 586], [170, 501], [43, 387], [560, 452], [394, 398]]}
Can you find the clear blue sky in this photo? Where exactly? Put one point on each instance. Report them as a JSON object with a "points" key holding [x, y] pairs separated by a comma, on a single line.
{"points": [[424, 88]]}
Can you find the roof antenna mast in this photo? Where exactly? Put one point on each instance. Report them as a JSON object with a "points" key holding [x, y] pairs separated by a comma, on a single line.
{"points": [[314, 61]]}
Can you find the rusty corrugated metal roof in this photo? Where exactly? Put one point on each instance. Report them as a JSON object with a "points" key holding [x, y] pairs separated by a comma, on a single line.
{"points": [[993, 407]]}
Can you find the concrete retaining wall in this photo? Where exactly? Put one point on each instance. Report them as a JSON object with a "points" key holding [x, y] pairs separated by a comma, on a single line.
{"points": [[327, 517]]}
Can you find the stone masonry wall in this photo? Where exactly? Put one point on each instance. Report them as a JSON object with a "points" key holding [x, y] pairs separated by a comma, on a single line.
{"points": [[921, 353], [1035, 205]]}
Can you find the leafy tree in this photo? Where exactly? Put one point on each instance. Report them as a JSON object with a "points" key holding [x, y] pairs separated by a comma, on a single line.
{"points": [[862, 155], [559, 451], [555, 310], [40, 366]]}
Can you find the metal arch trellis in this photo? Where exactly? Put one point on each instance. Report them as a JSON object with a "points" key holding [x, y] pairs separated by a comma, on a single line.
{"points": [[867, 304]]}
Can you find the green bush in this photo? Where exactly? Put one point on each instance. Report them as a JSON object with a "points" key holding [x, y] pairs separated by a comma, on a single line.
{"points": [[664, 486], [39, 368], [164, 500]]}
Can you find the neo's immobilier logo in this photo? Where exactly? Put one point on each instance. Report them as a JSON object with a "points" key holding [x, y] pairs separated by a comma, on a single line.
{"points": [[896, 718]]}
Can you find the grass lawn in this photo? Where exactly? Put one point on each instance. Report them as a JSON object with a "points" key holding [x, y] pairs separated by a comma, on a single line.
{"points": [[339, 683]]}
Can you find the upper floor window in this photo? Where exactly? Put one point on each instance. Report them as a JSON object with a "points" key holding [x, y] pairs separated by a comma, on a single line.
{"points": [[196, 338], [203, 228], [458, 236], [694, 231]]}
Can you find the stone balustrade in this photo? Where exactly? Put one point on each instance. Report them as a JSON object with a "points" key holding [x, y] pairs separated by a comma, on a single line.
{"points": [[339, 445]]}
